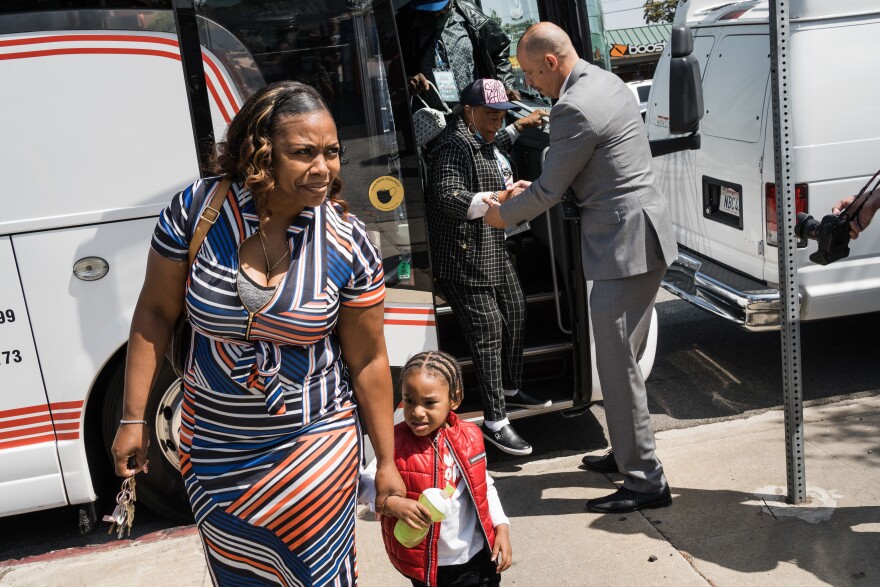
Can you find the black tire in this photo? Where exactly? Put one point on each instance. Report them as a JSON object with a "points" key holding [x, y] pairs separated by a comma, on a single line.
{"points": [[161, 490]]}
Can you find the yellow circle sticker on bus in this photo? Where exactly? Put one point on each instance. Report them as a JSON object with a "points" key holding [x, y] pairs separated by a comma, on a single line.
{"points": [[386, 193]]}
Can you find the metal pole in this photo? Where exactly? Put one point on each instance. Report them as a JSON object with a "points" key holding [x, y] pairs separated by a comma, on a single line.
{"points": [[780, 73]]}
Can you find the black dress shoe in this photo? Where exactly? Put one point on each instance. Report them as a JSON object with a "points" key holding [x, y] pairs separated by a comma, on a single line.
{"points": [[626, 500], [507, 440], [602, 463], [523, 400]]}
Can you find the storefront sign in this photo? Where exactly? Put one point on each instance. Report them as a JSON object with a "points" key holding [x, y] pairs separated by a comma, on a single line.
{"points": [[620, 50]]}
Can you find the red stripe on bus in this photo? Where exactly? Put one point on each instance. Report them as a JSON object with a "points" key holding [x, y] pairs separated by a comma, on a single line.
{"points": [[409, 311], [411, 322], [89, 51], [67, 405], [67, 436], [221, 79], [27, 431], [23, 411], [27, 441], [26, 421], [216, 97], [66, 38], [67, 425]]}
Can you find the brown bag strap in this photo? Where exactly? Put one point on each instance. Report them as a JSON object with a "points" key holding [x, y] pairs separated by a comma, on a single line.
{"points": [[208, 217]]}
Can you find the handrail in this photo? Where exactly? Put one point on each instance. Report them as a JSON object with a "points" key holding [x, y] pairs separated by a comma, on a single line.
{"points": [[553, 261]]}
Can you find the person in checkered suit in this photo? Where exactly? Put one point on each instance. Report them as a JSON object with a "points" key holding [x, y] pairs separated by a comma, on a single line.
{"points": [[470, 170]]}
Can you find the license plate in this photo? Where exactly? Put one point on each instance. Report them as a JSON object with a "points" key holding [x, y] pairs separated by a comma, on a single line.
{"points": [[722, 202], [728, 201]]}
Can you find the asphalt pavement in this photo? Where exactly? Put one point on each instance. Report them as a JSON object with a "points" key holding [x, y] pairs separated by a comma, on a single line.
{"points": [[730, 522]]}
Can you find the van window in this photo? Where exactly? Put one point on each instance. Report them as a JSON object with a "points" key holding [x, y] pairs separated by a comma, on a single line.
{"points": [[734, 87]]}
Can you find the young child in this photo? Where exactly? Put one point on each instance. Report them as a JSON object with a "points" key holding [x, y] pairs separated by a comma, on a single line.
{"points": [[432, 447]]}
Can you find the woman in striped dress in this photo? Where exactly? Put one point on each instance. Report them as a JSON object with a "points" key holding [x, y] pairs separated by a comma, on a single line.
{"points": [[288, 356]]}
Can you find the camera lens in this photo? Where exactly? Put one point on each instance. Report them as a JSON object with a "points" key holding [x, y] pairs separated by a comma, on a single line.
{"points": [[806, 226]]}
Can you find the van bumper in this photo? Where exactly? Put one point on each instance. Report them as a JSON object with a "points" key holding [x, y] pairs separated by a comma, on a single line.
{"points": [[751, 304]]}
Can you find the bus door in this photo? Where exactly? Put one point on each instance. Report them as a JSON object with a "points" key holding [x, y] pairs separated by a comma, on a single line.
{"points": [[30, 473], [546, 263], [348, 50]]}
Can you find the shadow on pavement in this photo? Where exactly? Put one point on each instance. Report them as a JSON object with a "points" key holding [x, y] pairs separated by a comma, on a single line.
{"points": [[732, 530], [708, 368]]}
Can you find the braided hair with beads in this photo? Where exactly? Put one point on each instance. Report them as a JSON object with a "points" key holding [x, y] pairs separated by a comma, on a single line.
{"points": [[436, 363]]}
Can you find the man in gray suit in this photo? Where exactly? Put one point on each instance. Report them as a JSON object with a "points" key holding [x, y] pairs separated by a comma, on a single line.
{"points": [[599, 148]]}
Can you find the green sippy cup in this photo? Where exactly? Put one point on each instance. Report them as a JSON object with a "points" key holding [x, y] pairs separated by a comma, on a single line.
{"points": [[437, 502]]}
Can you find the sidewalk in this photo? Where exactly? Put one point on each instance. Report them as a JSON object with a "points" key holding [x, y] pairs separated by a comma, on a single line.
{"points": [[728, 525]]}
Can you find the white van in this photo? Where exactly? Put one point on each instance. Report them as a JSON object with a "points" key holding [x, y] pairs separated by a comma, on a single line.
{"points": [[722, 195]]}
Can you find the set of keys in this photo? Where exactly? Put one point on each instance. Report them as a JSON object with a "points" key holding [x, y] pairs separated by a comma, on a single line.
{"points": [[123, 514]]}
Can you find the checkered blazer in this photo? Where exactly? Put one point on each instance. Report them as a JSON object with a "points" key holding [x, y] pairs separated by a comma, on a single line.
{"points": [[464, 251]]}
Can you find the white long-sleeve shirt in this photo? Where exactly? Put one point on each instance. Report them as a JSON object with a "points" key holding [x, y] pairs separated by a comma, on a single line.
{"points": [[461, 537], [478, 206]]}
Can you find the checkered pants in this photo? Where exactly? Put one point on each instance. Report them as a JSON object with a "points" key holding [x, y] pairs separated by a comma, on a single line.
{"points": [[492, 318]]}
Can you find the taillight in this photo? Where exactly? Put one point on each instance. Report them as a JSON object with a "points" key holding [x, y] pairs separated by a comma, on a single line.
{"points": [[733, 15], [800, 205]]}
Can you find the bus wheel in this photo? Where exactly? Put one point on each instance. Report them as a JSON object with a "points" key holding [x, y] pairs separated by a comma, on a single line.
{"points": [[161, 490]]}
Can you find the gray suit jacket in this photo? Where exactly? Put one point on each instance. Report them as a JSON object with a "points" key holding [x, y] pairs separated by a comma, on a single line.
{"points": [[599, 147]]}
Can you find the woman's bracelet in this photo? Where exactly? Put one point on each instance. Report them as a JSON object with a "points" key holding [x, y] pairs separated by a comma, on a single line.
{"points": [[518, 126], [380, 509], [144, 422]]}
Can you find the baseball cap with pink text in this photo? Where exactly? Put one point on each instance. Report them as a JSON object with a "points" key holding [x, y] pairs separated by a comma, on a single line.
{"points": [[487, 92]]}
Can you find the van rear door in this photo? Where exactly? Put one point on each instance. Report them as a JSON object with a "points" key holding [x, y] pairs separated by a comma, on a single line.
{"points": [[726, 223]]}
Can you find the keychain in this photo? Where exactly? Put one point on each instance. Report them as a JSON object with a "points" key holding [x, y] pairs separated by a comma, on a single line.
{"points": [[123, 514]]}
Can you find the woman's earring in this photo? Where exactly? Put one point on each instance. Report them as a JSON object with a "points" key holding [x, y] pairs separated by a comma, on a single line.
{"points": [[471, 128]]}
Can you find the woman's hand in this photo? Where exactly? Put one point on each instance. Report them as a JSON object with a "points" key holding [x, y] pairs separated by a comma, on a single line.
{"points": [[408, 510], [418, 84], [534, 119], [502, 553], [388, 484], [131, 441]]}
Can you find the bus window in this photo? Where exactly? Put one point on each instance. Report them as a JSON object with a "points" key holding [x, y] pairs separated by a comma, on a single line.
{"points": [[514, 17], [23, 16], [345, 50]]}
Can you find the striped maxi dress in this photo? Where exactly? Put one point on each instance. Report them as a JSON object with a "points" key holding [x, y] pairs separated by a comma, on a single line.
{"points": [[270, 441]]}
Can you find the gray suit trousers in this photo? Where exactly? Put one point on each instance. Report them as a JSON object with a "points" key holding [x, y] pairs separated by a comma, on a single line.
{"points": [[620, 313]]}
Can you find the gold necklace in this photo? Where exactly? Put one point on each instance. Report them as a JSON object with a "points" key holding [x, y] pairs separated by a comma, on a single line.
{"points": [[270, 266]]}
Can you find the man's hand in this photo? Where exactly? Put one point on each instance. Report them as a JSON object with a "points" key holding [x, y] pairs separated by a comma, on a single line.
{"points": [[502, 553], [866, 214], [513, 95], [520, 185], [534, 119], [493, 218], [418, 84]]}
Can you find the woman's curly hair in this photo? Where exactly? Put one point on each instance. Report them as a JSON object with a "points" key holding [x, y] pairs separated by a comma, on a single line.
{"points": [[246, 154]]}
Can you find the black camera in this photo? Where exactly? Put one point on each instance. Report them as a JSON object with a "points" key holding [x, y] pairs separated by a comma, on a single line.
{"points": [[832, 234]]}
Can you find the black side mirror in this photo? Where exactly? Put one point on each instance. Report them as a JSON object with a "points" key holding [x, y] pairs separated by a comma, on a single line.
{"points": [[685, 84]]}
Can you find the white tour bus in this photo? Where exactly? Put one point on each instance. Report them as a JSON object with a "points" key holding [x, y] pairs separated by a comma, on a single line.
{"points": [[107, 110]]}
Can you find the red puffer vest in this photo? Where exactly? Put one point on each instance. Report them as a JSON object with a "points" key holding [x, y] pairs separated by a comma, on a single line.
{"points": [[419, 465]]}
